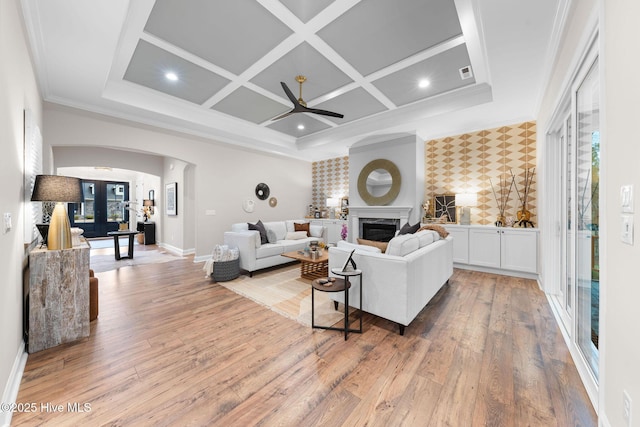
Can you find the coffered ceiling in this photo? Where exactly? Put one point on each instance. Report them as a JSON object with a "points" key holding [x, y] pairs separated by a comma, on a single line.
{"points": [[423, 66]]}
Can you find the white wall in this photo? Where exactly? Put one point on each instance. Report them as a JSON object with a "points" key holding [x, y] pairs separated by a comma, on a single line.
{"points": [[407, 152], [218, 176], [18, 91], [621, 158]]}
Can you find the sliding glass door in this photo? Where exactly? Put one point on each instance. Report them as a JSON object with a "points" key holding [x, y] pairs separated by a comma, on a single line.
{"points": [[571, 257], [588, 215]]}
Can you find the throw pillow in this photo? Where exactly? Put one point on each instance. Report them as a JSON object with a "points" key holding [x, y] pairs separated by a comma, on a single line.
{"points": [[315, 230], [437, 228], [301, 227], [296, 235], [271, 236], [259, 227], [409, 229], [380, 245]]}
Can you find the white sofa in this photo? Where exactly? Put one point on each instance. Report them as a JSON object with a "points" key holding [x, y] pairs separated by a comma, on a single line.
{"points": [[397, 286], [256, 256]]}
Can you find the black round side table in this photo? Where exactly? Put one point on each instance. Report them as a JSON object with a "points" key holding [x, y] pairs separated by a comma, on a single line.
{"points": [[333, 284]]}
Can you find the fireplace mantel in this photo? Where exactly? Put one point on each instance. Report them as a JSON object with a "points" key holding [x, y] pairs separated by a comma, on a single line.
{"points": [[392, 212]]}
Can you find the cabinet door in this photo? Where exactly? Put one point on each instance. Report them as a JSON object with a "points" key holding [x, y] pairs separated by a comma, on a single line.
{"points": [[519, 250], [484, 247], [460, 244]]}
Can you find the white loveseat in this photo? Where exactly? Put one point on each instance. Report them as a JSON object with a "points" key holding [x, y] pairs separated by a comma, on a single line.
{"points": [[397, 286], [255, 255]]}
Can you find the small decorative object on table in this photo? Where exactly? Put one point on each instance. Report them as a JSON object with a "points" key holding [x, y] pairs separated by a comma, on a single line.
{"points": [[502, 198], [344, 232], [524, 216]]}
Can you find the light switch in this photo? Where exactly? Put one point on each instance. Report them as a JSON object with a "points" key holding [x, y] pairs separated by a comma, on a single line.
{"points": [[626, 198], [626, 232], [7, 222]]}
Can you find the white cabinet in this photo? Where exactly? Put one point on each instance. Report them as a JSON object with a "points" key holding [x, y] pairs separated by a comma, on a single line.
{"points": [[460, 244], [504, 248], [484, 247], [334, 228], [519, 250], [488, 248]]}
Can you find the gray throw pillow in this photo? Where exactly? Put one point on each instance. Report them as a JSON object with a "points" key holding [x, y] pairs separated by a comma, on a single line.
{"points": [[409, 229], [259, 227]]}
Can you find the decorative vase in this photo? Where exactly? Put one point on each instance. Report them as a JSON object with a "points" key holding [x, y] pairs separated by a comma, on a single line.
{"points": [[501, 221]]}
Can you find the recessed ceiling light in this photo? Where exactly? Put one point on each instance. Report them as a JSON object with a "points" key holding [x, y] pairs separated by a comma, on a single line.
{"points": [[423, 83], [300, 127], [171, 76]]}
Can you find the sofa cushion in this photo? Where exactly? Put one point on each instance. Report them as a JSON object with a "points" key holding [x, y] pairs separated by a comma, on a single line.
{"points": [[342, 244], [409, 229], [278, 227], [301, 227], [269, 249], [258, 226], [380, 245], [425, 237], [402, 245], [296, 235]]}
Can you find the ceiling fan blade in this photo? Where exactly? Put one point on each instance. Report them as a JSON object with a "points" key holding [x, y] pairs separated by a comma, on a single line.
{"points": [[290, 95], [324, 112], [282, 116]]}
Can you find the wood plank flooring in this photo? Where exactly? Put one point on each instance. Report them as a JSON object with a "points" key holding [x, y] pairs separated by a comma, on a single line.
{"points": [[172, 348]]}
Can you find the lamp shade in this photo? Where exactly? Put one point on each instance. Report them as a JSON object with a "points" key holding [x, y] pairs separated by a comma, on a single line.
{"points": [[59, 189], [467, 199], [56, 188]]}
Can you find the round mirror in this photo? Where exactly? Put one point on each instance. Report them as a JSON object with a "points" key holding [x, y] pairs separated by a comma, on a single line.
{"points": [[379, 182]]}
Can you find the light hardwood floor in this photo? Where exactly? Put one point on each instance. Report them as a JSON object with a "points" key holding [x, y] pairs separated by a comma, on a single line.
{"points": [[172, 348]]}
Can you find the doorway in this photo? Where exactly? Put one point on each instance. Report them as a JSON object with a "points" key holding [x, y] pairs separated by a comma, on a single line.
{"points": [[104, 207]]}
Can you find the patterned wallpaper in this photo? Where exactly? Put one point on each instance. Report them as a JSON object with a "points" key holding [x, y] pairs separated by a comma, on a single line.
{"points": [[472, 161], [330, 178], [458, 164]]}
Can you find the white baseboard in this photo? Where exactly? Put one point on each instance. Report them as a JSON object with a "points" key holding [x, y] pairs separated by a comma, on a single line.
{"points": [[201, 258], [177, 251], [533, 276], [12, 387]]}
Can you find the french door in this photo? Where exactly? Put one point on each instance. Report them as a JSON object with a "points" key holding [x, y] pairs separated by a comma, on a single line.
{"points": [[104, 208]]}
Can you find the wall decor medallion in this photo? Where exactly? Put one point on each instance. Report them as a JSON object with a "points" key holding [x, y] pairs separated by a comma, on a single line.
{"points": [[248, 205], [273, 202], [262, 191]]}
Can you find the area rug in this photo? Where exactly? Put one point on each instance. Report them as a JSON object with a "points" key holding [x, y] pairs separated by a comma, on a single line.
{"points": [[283, 291], [105, 260]]}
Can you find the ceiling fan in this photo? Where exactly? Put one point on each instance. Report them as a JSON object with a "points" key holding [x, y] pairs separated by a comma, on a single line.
{"points": [[299, 106]]}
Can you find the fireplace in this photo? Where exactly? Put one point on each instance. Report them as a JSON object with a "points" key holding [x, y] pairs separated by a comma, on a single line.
{"points": [[379, 229]]}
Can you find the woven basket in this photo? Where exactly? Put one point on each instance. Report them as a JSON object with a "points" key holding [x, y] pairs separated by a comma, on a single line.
{"points": [[226, 270]]}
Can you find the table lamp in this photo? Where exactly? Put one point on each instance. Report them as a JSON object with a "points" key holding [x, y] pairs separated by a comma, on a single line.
{"points": [[466, 201], [148, 209], [59, 189], [332, 203]]}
